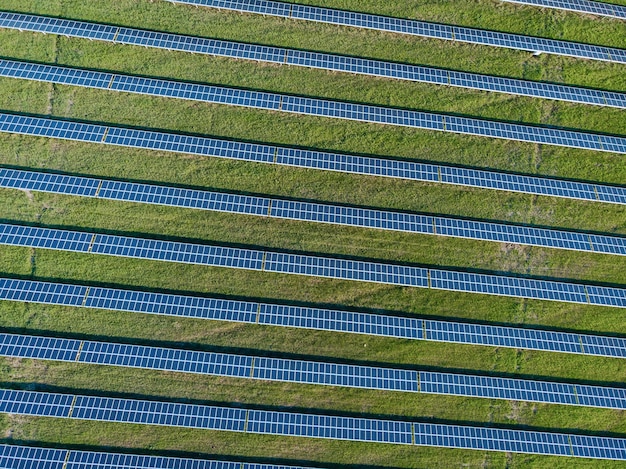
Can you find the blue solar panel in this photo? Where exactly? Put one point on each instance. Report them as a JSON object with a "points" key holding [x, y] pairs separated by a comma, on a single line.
{"points": [[311, 106], [328, 62], [158, 413], [301, 264], [15, 235], [580, 6], [24, 457], [307, 425], [35, 403], [318, 160], [508, 286], [177, 252], [500, 336], [334, 374], [99, 460], [187, 361], [42, 292], [492, 439], [346, 269], [503, 388], [418, 28], [309, 372], [323, 426], [42, 348], [51, 128], [311, 318]]}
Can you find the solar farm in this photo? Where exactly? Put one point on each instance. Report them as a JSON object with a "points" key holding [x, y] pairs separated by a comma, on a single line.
{"points": [[248, 234]]}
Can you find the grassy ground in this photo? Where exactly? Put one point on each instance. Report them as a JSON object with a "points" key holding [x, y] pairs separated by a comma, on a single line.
{"points": [[239, 123]]}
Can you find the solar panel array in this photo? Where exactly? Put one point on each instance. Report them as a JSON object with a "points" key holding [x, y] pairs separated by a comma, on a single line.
{"points": [[235, 418], [26, 457], [310, 211], [313, 106], [309, 372], [252, 312], [334, 62], [580, 6], [309, 265], [163, 141], [416, 28], [176, 414]]}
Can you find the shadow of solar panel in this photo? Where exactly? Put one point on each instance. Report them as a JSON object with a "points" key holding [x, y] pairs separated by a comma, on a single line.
{"points": [[419, 28], [579, 6]]}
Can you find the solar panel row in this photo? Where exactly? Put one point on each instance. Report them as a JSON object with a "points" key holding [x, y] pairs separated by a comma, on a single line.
{"points": [[279, 55], [309, 372], [313, 106], [309, 318], [580, 6], [153, 140], [28, 457], [308, 425], [309, 211], [302, 264], [416, 28]]}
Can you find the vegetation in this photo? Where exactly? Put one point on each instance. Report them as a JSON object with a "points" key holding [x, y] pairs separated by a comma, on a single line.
{"points": [[265, 126]]}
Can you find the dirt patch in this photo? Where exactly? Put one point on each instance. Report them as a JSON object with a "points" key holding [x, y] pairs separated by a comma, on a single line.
{"points": [[29, 195]]}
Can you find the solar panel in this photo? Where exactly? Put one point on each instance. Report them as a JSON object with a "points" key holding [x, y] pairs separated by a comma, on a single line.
{"points": [[278, 55], [317, 266], [316, 425], [309, 372], [24, 457], [19, 457], [313, 106], [579, 6], [310, 318], [417, 28], [312, 159]]}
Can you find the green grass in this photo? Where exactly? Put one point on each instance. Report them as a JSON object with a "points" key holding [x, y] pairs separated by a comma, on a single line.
{"points": [[328, 134]]}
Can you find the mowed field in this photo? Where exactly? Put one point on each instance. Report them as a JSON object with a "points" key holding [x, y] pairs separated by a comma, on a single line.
{"points": [[132, 219]]}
